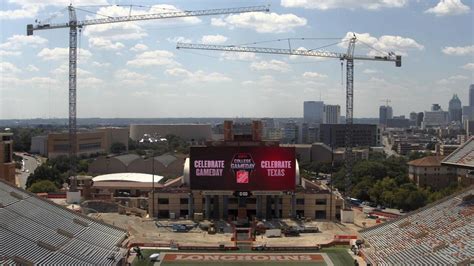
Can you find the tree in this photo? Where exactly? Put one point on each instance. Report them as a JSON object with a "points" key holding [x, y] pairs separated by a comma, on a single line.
{"points": [[43, 186], [45, 172], [117, 147]]}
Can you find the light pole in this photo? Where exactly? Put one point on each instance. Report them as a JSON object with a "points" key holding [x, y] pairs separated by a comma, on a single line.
{"points": [[153, 183]]}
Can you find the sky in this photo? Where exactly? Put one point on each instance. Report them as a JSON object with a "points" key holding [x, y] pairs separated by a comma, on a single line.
{"points": [[133, 69]]}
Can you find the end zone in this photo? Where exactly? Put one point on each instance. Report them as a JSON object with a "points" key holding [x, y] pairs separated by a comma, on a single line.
{"points": [[230, 258]]}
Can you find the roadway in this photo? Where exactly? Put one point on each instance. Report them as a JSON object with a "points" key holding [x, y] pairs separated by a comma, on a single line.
{"points": [[30, 163]]}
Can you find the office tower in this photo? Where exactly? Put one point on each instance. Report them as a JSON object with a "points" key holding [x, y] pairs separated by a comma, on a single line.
{"points": [[455, 109], [471, 95], [313, 112], [332, 114], [385, 112]]}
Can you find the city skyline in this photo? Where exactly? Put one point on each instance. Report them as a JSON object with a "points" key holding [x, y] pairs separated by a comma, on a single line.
{"points": [[133, 69]]}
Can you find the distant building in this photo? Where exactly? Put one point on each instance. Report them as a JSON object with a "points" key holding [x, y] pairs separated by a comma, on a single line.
{"points": [[447, 149], [469, 127], [385, 113], [189, 132], [290, 132], [435, 107], [455, 109], [435, 118], [89, 142], [471, 95], [267, 124], [332, 114], [321, 153], [428, 172], [398, 122], [413, 116], [363, 135], [7, 165], [313, 112], [309, 133], [419, 119], [467, 113]]}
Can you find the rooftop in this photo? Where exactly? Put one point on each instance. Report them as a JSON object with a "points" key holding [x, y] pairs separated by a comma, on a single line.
{"points": [[427, 161], [128, 177]]}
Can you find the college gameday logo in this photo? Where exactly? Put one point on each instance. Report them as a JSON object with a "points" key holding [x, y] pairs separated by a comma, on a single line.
{"points": [[242, 164], [242, 257]]}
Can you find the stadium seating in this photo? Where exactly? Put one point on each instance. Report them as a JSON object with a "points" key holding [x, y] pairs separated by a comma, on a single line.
{"points": [[439, 234], [34, 230]]}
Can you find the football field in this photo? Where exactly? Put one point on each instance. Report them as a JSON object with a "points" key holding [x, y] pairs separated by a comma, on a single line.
{"points": [[328, 257]]}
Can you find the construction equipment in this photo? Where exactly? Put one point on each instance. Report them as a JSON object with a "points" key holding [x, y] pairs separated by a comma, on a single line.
{"points": [[349, 57], [386, 101], [74, 25]]}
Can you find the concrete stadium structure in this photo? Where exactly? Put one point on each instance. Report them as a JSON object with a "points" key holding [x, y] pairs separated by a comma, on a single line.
{"points": [[438, 234], [35, 231], [188, 132], [303, 199], [164, 165]]}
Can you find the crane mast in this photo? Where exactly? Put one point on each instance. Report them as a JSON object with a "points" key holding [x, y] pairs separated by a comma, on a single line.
{"points": [[73, 26], [349, 57]]}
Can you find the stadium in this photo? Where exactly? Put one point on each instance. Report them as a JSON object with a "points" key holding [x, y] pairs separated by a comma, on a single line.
{"points": [[243, 178]]}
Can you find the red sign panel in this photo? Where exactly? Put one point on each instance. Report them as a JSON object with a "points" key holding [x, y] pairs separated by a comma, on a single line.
{"points": [[242, 168]]}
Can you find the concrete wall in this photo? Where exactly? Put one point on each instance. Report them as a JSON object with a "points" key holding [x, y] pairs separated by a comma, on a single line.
{"points": [[196, 132]]}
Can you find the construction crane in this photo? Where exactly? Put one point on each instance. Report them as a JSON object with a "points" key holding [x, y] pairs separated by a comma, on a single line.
{"points": [[349, 57], [74, 25], [386, 101]]}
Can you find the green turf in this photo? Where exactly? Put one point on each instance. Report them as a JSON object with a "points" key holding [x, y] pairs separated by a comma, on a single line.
{"points": [[339, 256]]}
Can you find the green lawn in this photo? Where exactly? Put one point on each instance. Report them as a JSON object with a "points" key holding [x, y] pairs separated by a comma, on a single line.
{"points": [[339, 256]]}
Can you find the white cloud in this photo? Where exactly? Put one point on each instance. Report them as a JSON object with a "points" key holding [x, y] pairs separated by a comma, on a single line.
{"points": [[104, 44], [177, 39], [452, 79], [449, 8], [32, 68], [198, 76], [370, 71], [132, 30], [153, 58], [62, 54], [9, 53], [7, 67], [30, 8], [24, 12], [130, 75], [261, 22], [16, 42], [99, 64], [386, 43], [468, 66], [314, 75], [459, 50], [351, 4], [213, 39], [139, 47], [274, 65], [238, 56], [90, 82]]}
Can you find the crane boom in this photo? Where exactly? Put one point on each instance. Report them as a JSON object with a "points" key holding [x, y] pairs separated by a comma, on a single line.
{"points": [[349, 57], [299, 52], [164, 15], [74, 25]]}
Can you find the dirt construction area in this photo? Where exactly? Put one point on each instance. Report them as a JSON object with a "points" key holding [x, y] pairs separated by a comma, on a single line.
{"points": [[143, 230]]}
